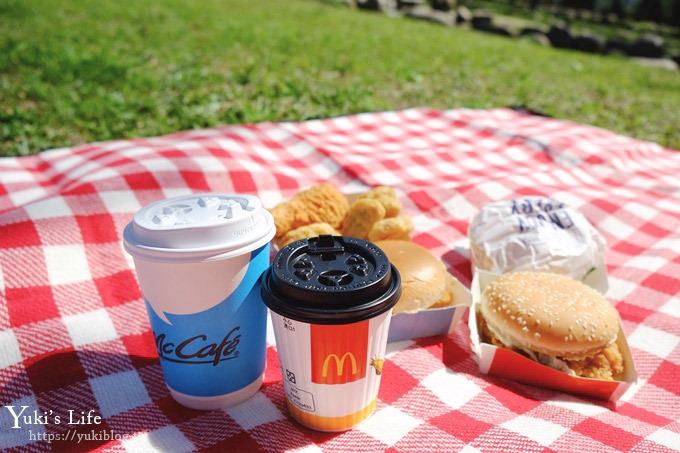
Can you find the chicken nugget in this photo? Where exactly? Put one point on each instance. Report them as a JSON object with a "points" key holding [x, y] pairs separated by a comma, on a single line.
{"points": [[387, 197], [361, 217], [319, 204], [391, 228], [284, 217], [306, 231]]}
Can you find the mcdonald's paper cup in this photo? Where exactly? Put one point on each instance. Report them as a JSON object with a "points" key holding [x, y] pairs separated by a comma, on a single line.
{"points": [[331, 300], [199, 259]]}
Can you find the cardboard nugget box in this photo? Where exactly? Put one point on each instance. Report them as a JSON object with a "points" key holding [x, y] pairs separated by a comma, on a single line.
{"points": [[430, 322], [509, 364]]}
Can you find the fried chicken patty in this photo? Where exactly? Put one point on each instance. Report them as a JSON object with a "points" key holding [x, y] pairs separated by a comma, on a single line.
{"points": [[606, 364]]}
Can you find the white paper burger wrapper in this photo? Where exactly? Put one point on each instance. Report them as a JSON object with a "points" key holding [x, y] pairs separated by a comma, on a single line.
{"points": [[325, 390], [537, 233], [509, 364]]}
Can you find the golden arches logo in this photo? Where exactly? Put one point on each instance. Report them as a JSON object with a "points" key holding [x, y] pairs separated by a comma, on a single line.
{"points": [[344, 344], [339, 364]]}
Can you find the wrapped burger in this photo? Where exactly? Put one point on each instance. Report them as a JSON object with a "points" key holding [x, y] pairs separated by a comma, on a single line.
{"points": [[537, 233]]}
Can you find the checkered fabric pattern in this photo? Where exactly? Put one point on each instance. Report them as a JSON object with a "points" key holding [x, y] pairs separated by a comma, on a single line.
{"points": [[74, 332]]}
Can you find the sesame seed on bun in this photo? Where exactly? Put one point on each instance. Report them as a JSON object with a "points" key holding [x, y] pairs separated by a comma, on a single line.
{"points": [[549, 314]]}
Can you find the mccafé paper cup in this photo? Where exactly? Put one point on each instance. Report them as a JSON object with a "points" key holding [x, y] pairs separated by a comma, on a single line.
{"points": [[331, 301], [199, 259]]}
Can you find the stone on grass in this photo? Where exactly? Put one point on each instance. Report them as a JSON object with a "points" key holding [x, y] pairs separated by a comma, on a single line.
{"points": [[538, 38], [371, 5], [618, 45], [649, 46], [560, 37], [530, 31], [430, 15], [498, 30], [409, 3], [482, 22], [663, 63], [441, 5], [589, 43], [463, 14]]}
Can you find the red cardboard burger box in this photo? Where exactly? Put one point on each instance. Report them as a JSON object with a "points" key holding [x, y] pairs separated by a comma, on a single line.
{"points": [[509, 364]]}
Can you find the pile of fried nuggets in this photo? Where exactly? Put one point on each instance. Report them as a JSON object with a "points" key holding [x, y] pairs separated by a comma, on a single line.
{"points": [[374, 215]]}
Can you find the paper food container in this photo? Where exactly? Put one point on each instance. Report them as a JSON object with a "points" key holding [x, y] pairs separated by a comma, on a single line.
{"points": [[428, 323], [508, 364]]}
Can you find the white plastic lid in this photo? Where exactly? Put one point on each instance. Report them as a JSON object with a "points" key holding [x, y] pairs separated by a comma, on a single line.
{"points": [[199, 226]]}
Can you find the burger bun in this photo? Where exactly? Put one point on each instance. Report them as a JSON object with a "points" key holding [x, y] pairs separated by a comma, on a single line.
{"points": [[550, 314], [425, 283]]}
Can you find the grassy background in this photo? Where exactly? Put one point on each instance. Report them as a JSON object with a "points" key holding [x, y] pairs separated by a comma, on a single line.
{"points": [[78, 71]]}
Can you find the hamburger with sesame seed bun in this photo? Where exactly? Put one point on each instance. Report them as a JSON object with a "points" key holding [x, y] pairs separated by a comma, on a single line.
{"points": [[555, 320]]}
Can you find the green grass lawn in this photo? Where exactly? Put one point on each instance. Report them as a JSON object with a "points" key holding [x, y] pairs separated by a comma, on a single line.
{"points": [[78, 71]]}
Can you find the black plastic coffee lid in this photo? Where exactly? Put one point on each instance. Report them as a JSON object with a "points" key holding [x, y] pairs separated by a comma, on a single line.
{"points": [[331, 280]]}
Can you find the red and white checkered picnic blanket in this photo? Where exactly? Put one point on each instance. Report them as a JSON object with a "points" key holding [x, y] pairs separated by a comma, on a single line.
{"points": [[74, 333]]}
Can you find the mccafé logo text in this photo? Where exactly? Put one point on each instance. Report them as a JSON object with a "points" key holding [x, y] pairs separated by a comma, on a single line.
{"points": [[339, 352], [197, 349]]}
